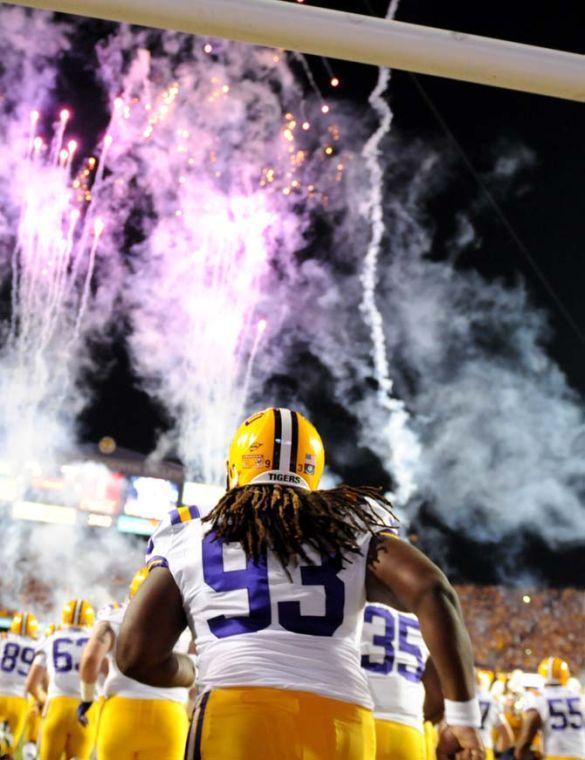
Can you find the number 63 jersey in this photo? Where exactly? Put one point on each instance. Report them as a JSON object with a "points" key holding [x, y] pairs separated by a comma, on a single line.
{"points": [[60, 653], [563, 727], [255, 626]]}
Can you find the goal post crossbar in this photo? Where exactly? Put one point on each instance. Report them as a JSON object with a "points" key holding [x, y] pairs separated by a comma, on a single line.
{"points": [[351, 37]]}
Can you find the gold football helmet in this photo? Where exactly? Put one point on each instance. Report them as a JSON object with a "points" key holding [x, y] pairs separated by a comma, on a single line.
{"points": [[276, 446], [78, 613]]}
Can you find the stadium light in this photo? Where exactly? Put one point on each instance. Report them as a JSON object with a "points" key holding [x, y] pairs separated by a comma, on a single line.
{"points": [[351, 37]]}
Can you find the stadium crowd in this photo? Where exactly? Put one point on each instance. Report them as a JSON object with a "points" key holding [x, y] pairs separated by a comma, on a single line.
{"points": [[511, 627]]}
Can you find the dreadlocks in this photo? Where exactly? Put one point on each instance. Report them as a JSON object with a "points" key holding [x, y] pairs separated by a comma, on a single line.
{"points": [[287, 520]]}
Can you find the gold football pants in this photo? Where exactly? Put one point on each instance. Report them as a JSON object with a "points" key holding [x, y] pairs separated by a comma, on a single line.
{"points": [[142, 729], [395, 741], [14, 710], [263, 724], [61, 732]]}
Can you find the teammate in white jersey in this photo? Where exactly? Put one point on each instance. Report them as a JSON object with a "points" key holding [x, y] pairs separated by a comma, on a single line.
{"points": [[402, 681], [273, 583], [492, 717], [138, 722], [58, 659], [17, 651], [558, 712]]}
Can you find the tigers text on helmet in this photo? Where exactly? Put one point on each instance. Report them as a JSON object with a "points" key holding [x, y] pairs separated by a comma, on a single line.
{"points": [[554, 671], [78, 613], [25, 624], [137, 581], [276, 446]]}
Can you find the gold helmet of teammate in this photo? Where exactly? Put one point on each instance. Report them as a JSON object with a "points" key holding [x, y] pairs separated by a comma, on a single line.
{"points": [[484, 679], [49, 630], [78, 613], [25, 624], [554, 670], [276, 446], [137, 581]]}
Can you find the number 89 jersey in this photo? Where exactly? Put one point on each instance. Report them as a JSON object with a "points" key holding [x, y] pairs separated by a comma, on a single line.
{"points": [[16, 656], [255, 626], [394, 658], [561, 712], [60, 653]]}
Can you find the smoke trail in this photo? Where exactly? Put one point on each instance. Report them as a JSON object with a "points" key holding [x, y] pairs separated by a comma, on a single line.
{"points": [[403, 448]]}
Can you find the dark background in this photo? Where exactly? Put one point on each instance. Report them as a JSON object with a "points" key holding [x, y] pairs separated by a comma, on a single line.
{"points": [[537, 236]]}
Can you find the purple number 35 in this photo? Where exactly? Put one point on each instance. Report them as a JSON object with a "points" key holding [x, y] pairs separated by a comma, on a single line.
{"points": [[254, 579]]}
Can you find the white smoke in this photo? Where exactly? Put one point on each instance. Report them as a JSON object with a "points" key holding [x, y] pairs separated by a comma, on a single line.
{"points": [[53, 564], [502, 433]]}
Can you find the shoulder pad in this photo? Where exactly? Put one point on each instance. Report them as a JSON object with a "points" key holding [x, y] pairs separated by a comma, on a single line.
{"points": [[111, 613], [183, 515]]}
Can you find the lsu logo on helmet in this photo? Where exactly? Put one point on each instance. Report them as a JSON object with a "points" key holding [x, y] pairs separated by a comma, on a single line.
{"points": [[25, 624], [276, 446], [78, 613], [554, 670]]}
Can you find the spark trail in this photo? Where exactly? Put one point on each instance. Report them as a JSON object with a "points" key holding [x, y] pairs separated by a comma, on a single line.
{"points": [[404, 449]]}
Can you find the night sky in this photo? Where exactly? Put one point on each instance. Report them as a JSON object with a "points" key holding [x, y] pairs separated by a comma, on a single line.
{"points": [[536, 236]]}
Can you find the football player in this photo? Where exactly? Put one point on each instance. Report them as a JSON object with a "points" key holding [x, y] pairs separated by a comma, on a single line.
{"points": [[557, 712], [57, 660], [492, 718], [131, 709], [403, 682], [273, 580], [17, 651]]}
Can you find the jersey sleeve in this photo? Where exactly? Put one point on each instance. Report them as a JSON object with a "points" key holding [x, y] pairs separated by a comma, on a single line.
{"points": [[111, 613], [176, 545], [536, 702]]}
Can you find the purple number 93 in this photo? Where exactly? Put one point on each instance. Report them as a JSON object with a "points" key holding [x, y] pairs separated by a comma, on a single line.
{"points": [[254, 579]]}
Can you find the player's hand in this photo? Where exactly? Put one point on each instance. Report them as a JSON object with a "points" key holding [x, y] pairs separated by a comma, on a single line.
{"points": [[460, 743], [82, 708]]}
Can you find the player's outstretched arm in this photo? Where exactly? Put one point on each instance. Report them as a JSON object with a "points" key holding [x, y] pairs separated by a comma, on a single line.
{"points": [[151, 627], [531, 722], [420, 587]]}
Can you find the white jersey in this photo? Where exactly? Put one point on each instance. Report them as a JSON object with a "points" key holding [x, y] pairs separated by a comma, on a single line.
{"points": [[16, 656], [563, 727], [491, 717], [60, 654], [119, 685], [255, 626], [394, 658]]}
